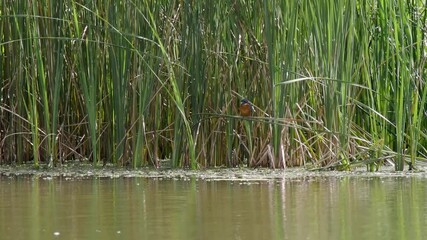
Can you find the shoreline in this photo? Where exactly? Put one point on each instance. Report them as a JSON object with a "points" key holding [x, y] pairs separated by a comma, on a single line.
{"points": [[88, 171]]}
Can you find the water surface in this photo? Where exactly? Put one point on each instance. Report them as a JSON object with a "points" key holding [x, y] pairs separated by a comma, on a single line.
{"points": [[140, 208]]}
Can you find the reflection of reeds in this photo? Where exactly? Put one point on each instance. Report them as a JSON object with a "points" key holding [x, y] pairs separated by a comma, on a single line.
{"points": [[334, 82]]}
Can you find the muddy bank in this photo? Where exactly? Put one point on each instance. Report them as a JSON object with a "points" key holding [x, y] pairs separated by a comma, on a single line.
{"points": [[83, 171]]}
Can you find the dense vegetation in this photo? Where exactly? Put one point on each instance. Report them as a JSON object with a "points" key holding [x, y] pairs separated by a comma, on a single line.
{"points": [[146, 82]]}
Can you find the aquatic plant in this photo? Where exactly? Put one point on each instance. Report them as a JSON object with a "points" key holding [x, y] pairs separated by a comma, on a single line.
{"points": [[138, 83]]}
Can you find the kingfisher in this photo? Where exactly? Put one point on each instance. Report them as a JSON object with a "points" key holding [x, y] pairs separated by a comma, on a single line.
{"points": [[246, 108]]}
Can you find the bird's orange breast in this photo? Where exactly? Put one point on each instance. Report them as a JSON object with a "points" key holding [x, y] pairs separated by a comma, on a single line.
{"points": [[245, 109]]}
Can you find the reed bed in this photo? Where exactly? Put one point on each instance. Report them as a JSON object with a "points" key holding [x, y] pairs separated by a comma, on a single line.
{"points": [[158, 83]]}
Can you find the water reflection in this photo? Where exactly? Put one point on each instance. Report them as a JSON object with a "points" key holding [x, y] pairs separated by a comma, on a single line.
{"points": [[135, 208]]}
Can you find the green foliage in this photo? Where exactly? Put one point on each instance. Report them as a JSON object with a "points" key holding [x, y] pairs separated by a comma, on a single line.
{"points": [[159, 82]]}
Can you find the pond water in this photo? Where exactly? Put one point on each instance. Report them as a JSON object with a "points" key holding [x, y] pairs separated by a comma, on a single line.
{"points": [[141, 208]]}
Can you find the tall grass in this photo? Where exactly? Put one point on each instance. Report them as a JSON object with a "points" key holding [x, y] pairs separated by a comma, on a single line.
{"points": [[158, 83]]}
